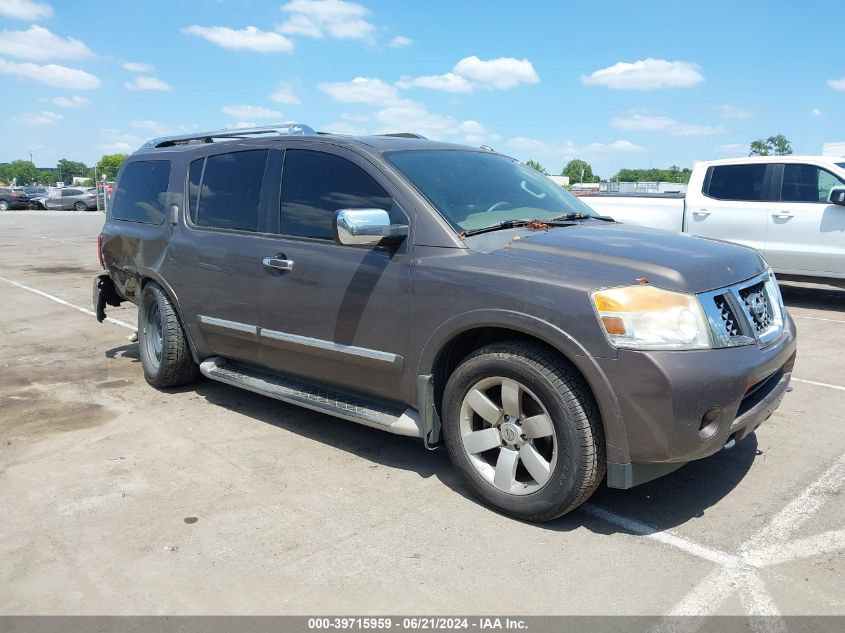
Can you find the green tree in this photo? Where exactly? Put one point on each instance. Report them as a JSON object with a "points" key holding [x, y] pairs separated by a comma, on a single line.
{"points": [[69, 168], [108, 165], [777, 145], [22, 172], [579, 171], [673, 174], [533, 164]]}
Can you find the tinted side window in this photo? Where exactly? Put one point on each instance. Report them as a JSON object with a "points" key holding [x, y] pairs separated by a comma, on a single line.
{"points": [[315, 185], [142, 191], [807, 183], [194, 180], [230, 192], [737, 182]]}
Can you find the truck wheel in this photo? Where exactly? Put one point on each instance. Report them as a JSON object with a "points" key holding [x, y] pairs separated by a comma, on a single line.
{"points": [[165, 354], [523, 430]]}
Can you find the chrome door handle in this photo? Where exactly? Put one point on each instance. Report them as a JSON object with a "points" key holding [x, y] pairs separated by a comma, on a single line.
{"points": [[278, 264], [783, 215], [703, 213]]}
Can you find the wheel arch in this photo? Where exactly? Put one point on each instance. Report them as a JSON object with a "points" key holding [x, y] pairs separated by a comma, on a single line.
{"points": [[146, 278], [457, 338]]}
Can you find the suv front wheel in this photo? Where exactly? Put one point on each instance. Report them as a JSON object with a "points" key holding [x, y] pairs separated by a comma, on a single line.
{"points": [[523, 430], [165, 354]]}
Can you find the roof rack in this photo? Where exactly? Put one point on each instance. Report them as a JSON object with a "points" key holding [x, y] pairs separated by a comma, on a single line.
{"points": [[291, 128], [404, 135]]}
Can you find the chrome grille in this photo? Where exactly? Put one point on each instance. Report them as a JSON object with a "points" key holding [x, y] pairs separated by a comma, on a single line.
{"points": [[746, 313]]}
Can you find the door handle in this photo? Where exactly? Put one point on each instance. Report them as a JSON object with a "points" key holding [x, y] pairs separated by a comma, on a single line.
{"points": [[278, 264], [783, 215], [701, 213]]}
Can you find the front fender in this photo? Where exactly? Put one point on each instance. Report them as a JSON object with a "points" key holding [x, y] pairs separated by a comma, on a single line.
{"points": [[614, 430]]}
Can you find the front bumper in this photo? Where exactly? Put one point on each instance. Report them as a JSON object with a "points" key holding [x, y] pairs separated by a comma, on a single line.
{"points": [[681, 406]]}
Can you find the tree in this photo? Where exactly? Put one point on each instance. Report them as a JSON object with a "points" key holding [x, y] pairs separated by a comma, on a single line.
{"points": [[533, 164], [777, 145], [69, 168], [579, 171], [22, 172], [673, 174], [108, 166]]}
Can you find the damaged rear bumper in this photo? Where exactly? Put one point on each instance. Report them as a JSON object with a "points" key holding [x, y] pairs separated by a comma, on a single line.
{"points": [[104, 294]]}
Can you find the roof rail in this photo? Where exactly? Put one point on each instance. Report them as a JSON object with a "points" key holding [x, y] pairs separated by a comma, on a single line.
{"points": [[404, 135], [291, 128]]}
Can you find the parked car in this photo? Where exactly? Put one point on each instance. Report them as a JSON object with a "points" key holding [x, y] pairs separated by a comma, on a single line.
{"points": [[36, 196], [12, 199], [72, 198], [446, 293], [790, 208]]}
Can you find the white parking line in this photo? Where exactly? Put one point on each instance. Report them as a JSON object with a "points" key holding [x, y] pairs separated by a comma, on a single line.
{"points": [[44, 237], [66, 303], [801, 316], [819, 384]]}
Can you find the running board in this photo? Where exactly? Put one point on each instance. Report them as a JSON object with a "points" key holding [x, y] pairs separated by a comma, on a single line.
{"points": [[390, 418]]}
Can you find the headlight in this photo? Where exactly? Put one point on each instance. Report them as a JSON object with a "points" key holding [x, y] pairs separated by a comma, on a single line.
{"points": [[648, 318]]}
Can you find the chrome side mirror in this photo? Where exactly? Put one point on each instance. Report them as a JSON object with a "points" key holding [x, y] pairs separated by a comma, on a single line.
{"points": [[367, 227], [837, 196]]}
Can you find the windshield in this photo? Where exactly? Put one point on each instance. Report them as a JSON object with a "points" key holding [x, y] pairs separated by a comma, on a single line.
{"points": [[473, 190]]}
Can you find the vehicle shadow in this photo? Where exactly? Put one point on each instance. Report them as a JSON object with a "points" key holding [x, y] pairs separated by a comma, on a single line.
{"points": [[813, 297], [664, 503]]}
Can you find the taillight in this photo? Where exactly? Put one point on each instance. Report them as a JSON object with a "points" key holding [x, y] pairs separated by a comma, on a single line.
{"points": [[100, 250]]}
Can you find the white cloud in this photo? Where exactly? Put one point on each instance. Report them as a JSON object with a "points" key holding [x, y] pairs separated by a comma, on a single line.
{"points": [[450, 82], [45, 117], [69, 102], [248, 39], [837, 84], [644, 123], [363, 90], [471, 72], [250, 112], [734, 112], [333, 18], [284, 93], [342, 127], [567, 149], [138, 67], [400, 41], [415, 117], [734, 149], [148, 83], [816, 112], [25, 9], [51, 74], [157, 128], [115, 141], [39, 44], [501, 73], [646, 74]]}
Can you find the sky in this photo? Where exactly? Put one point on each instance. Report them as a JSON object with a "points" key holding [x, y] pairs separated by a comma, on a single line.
{"points": [[619, 84]]}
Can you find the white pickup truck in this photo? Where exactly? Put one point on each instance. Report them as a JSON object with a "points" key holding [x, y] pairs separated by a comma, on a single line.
{"points": [[790, 208]]}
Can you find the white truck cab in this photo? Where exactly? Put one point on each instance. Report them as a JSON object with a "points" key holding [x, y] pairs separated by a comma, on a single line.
{"points": [[790, 208]]}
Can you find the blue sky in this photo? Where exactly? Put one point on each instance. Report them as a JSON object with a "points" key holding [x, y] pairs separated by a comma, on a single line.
{"points": [[620, 84]]}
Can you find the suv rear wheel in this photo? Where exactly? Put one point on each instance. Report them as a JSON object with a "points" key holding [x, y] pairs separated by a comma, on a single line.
{"points": [[165, 354], [523, 430]]}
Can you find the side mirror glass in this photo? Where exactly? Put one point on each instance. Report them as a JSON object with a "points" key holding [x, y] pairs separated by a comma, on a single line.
{"points": [[367, 227], [837, 196]]}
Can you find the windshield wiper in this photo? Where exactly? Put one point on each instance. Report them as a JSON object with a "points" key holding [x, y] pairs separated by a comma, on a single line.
{"points": [[509, 224], [583, 216]]}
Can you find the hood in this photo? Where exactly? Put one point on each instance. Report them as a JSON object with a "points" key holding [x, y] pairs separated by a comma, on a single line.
{"points": [[607, 254]]}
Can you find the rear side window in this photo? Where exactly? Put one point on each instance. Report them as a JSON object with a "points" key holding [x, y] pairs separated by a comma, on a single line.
{"points": [[315, 185], [737, 182], [225, 193], [142, 192], [807, 183]]}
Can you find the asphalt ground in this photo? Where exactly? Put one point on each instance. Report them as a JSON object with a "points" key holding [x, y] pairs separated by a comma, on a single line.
{"points": [[120, 499]]}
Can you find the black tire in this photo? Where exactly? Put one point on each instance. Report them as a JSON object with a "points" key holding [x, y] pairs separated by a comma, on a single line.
{"points": [[4, 206], [166, 359], [80, 206], [580, 462]]}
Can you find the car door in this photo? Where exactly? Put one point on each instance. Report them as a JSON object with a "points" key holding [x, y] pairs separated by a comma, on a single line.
{"points": [[339, 315], [732, 204], [214, 259], [54, 200], [805, 232]]}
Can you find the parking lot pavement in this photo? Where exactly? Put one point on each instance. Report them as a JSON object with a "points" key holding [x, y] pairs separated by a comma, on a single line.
{"points": [[121, 499]]}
